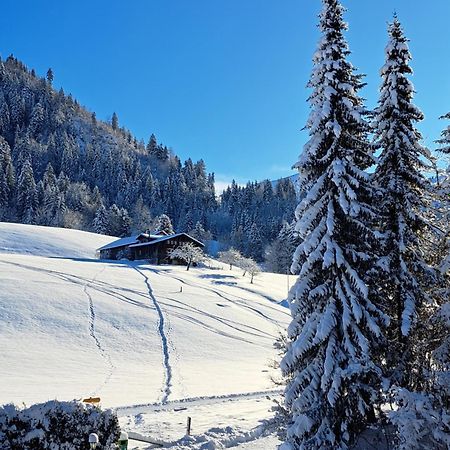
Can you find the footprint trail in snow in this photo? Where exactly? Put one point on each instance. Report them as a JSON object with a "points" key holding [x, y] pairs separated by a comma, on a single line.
{"points": [[164, 341], [104, 354]]}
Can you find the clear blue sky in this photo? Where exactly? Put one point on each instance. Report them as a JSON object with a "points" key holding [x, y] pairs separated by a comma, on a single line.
{"points": [[222, 80]]}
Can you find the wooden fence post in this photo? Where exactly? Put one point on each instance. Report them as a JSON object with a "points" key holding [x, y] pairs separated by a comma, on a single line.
{"points": [[188, 429]]}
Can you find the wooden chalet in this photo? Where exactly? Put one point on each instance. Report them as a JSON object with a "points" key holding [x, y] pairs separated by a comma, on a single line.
{"points": [[153, 247]]}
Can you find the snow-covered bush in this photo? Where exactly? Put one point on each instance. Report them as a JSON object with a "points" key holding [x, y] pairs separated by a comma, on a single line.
{"points": [[231, 257], [188, 253], [421, 421], [56, 426]]}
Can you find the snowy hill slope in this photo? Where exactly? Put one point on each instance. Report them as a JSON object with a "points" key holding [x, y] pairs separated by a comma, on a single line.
{"points": [[73, 326], [47, 241]]}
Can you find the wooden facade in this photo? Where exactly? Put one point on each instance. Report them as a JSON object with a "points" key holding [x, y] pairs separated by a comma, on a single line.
{"points": [[154, 248]]}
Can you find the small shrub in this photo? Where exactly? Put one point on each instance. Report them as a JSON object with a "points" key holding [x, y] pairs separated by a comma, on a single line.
{"points": [[56, 426]]}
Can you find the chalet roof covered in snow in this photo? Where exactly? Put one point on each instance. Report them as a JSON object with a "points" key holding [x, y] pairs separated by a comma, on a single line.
{"points": [[129, 240], [134, 241], [165, 238], [120, 242]]}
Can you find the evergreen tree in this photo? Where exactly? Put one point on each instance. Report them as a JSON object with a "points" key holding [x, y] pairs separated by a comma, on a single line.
{"points": [[142, 218], [54, 206], [63, 182], [237, 237], [69, 157], [401, 184], [165, 224], [152, 145], [4, 190], [7, 170], [162, 153], [267, 191], [4, 115], [21, 150], [17, 108], [445, 138], [115, 122], [278, 256], [199, 232], [124, 223], [49, 177], [254, 243], [333, 380], [443, 195], [50, 75], [96, 197], [37, 119], [119, 222], [26, 194], [186, 224], [100, 223]]}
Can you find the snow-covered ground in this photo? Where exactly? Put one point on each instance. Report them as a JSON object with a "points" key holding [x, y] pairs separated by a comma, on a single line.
{"points": [[157, 342]]}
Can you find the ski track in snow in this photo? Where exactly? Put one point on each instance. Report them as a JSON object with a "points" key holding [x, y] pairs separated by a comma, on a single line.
{"points": [[219, 293], [104, 354], [228, 323], [194, 401], [92, 316], [164, 340]]}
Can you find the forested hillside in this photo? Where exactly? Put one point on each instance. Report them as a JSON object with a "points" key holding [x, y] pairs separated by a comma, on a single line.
{"points": [[61, 166]]}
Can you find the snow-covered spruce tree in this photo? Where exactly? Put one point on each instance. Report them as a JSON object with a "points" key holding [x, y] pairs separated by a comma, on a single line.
{"points": [[278, 254], [444, 202], [165, 224], [441, 260], [254, 243], [54, 207], [199, 232], [4, 191], [440, 214], [119, 221], [444, 141], [114, 121], [333, 380], [7, 175], [401, 183], [27, 201]]}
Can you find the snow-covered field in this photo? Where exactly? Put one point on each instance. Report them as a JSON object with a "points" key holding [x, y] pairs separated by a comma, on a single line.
{"points": [[157, 342]]}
